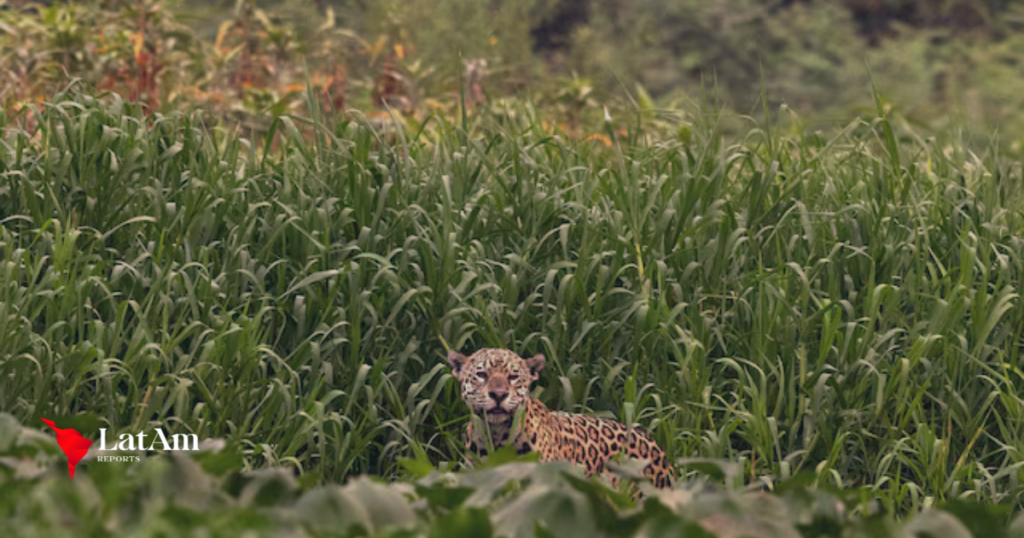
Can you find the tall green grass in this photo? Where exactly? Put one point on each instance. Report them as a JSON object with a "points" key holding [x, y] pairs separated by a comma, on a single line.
{"points": [[840, 303]]}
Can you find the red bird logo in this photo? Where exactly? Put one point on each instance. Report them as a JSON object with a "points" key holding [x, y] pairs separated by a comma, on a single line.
{"points": [[72, 443]]}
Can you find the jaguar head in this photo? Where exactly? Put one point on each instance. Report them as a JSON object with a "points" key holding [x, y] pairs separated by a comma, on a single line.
{"points": [[495, 382]]}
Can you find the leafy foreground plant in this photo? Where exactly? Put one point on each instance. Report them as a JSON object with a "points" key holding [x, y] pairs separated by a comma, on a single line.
{"points": [[205, 495]]}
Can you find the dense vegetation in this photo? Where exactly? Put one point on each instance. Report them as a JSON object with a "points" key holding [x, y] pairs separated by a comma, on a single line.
{"points": [[823, 306], [843, 305]]}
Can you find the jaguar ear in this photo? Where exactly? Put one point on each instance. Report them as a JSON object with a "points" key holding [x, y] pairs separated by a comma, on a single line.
{"points": [[535, 364], [456, 360]]}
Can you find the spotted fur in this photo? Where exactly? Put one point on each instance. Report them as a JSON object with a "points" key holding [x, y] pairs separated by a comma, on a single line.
{"points": [[495, 383]]}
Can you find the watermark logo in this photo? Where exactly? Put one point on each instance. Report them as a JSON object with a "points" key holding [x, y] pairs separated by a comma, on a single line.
{"points": [[75, 446], [72, 443]]}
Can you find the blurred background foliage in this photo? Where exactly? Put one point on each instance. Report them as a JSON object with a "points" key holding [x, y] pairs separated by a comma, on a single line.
{"points": [[940, 62]]}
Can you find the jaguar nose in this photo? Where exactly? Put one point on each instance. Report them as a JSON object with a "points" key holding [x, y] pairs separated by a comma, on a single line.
{"points": [[498, 396]]}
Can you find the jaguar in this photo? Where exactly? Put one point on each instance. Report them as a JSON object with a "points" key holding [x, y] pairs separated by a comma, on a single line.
{"points": [[495, 383]]}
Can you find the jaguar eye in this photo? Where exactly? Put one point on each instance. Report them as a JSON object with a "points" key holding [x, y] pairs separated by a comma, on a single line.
{"points": [[482, 376], [513, 378]]}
